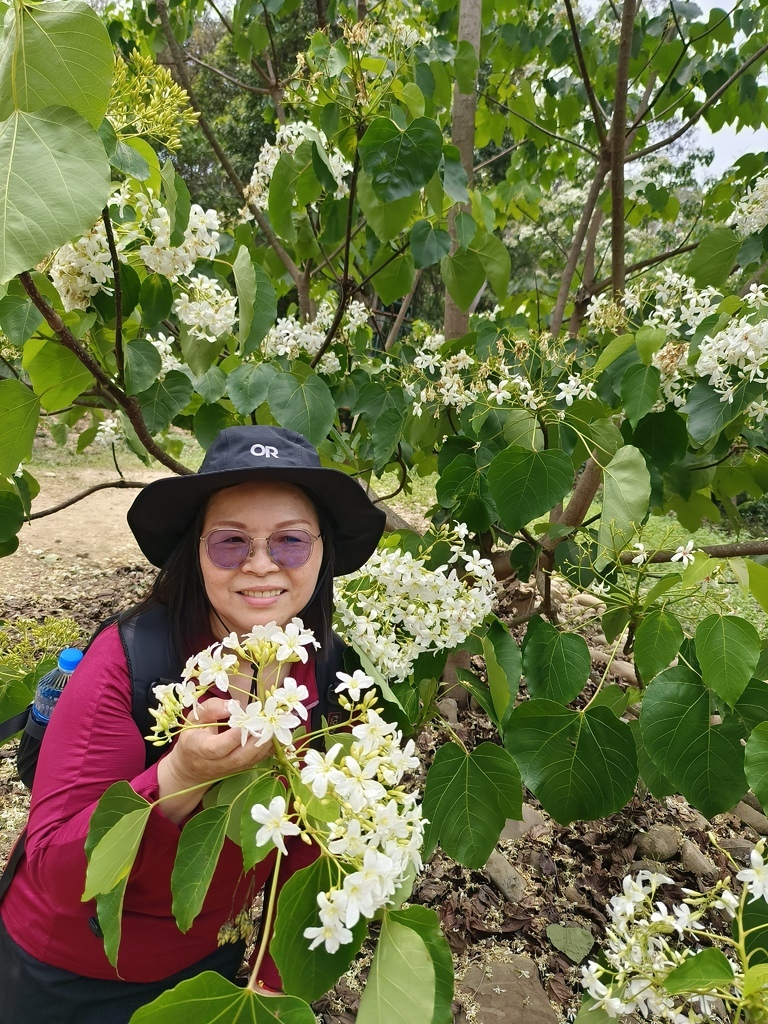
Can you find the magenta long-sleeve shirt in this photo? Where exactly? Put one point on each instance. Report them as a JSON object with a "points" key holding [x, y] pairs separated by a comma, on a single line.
{"points": [[92, 741]]}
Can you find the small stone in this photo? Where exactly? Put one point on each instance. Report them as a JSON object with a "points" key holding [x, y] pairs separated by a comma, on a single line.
{"points": [[506, 878], [755, 819], [660, 842], [514, 830], [449, 709], [693, 860], [648, 865], [506, 992], [739, 849]]}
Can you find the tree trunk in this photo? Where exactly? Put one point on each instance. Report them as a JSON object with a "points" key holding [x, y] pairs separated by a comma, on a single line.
{"points": [[456, 323]]}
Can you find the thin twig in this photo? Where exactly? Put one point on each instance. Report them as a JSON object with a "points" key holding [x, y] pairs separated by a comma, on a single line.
{"points": [[538, 127], [402, 313], [594, 105], [84, 494], [258, 89]]}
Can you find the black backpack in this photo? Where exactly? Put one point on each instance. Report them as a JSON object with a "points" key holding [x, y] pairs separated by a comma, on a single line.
{"points": [[151, 660]]}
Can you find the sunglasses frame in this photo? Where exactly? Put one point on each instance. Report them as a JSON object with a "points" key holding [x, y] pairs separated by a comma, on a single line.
{"points": [[252, 541]]}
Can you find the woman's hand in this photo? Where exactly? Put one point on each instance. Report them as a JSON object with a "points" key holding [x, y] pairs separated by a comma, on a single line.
{"points": [[203, 755]]}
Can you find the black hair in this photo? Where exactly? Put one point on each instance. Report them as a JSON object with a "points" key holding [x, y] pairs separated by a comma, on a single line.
{"points": [[180, 587]]}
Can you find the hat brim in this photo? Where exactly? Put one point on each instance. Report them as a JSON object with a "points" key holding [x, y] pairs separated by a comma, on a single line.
{"points": [[163, 511]]}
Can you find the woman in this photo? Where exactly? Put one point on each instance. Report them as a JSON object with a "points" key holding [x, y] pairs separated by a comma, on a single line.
{"points": [[256, 535]]}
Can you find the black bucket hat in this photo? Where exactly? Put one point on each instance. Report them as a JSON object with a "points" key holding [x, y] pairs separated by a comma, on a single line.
{"points": [[164, 509]]}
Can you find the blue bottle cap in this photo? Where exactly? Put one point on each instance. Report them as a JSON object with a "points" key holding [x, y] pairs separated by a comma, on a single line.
{"points": [[69, 659]]}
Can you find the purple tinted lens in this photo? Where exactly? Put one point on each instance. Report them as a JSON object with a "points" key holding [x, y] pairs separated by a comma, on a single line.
{"points": [[228, 548], [290, 548]]}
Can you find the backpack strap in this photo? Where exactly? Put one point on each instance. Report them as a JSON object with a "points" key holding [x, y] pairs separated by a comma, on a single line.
{"points": [[152, 659]]}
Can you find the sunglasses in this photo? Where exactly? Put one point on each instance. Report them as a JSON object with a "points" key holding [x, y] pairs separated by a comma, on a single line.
{"points": [[229, 549]]}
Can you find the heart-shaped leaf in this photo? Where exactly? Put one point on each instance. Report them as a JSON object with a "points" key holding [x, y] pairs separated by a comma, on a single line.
{"points": [[400, 162], [728, 649], [556, 664], [579, 764], [527, 484]]}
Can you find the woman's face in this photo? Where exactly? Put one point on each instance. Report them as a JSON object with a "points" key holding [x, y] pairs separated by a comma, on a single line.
{"points": [[259, 591]]}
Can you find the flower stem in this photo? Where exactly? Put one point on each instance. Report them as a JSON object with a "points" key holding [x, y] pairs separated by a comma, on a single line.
{"points": [[266, 926]]}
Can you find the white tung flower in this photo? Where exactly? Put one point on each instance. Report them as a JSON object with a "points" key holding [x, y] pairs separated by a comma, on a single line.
{"points": [[354, 684], [275, 824], [684, 554]]}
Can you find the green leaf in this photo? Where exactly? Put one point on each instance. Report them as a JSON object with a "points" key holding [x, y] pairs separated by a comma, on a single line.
{"points": [[700, 973], [467, 799], [579, 764], [57, 374], [209, 997], [392, 278], [576, 943], [19, 414], [656, 781], [114, 834], [626, 496], [428, 244], [164, 400], [453, 176], [707, 414], [503, 664], [304, 972], [248, 385], [494, 256], [754, 922], [657, 642], [302, 401], [463, 487], [142, 366], [281, 194], [155, 299], [109, 913], [123, 157], [411, 977], [639, 391], [386, 432], [526, 484], [11, 515], [54, 182], [758, 582], [386, 220], [257, 302], [464, 276], [196, 858], [399, 162], [465, 229], [56, 54], [756, 762], [616, 347], [555, 664], [728, 649], [714, 258], [705, 762], [212, 384], [19, 318], [465, 66]]}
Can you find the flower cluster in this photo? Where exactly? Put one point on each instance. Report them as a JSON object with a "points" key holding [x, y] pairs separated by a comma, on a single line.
{"points": [[164, 346], [379, 829], [739, 352], [109, 431], [216, 665], [646, 941], [142, 230], [666, 299], [398, 607], [207, 308], [291, 337], [371, 827], [288, 139], [751, 211]]}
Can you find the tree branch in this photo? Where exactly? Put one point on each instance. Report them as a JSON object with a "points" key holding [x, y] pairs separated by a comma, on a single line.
{"points": [[129, 405], [258, 89], [618, 146], [597, 112], [578, 240], [498, 156], [119, 354], [738, 550], [538, 127], [229, 170], [84, 494], [583, 495], [696, 116], [402, 313]]}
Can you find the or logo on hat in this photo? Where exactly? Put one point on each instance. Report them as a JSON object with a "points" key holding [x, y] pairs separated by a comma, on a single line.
{"points": [[264, 450]]}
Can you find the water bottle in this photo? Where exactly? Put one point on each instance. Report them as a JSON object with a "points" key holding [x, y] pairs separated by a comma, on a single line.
{"points": [[50, 686]]}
